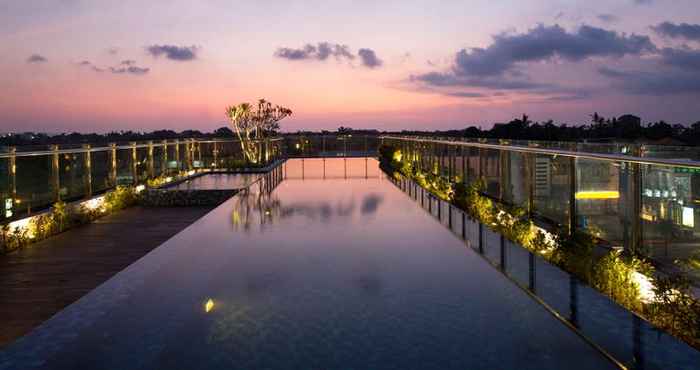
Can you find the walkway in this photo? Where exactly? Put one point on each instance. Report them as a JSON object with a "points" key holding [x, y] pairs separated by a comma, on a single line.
{"points": [[40, 280]]}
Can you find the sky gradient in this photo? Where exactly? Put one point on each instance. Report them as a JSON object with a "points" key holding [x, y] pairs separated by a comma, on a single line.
{"points": [[98, 66]]}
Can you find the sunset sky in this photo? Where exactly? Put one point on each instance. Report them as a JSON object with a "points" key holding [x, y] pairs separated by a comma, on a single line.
{"points": [[97, 66]]}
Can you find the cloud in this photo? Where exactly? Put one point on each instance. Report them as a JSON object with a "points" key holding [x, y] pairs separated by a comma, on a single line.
{"points": [[498, 66], [130, 70], [320, 51], [369, 58], [112, 51], [88, 64], [678, 31], [655, 83], [685, 59], [124, 67], [466, 94], [643, 2], [494, 82], [608, 18], [545, 43], [36, 58], [172, 52]]}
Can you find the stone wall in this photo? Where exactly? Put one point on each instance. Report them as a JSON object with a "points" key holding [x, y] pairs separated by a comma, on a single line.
{"points": [[184, 198]]}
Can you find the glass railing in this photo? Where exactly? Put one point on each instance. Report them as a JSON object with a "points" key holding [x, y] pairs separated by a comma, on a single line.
{"points": [[32, 179], [645, 199], [340, 145], [625, 338]]}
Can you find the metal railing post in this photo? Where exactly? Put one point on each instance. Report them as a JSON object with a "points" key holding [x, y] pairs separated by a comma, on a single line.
{"points": [[134, 164], [13, 175], [215, 154], [164, 158], [113, 164], [530, 182], [87, 170], [151, 164], [572, 196], [177, 154], [55, 174]]}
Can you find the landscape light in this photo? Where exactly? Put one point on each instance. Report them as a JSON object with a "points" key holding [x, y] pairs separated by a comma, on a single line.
{"points": [[209, 305], [646, 287], [594, 195], [140, 188], [688, 217], [95, 204]]}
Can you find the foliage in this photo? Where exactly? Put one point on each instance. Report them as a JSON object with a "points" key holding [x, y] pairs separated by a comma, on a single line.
{"points": [[675, 309], [615, 274], [63, 217], [119, 198], [254, 123]]}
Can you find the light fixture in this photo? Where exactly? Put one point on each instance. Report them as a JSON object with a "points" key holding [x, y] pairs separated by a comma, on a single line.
{"points": [[601, 194], [209, 305]]}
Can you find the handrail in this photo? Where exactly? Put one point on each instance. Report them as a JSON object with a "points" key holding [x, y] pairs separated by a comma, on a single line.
{"points": [[141, 145], [557, 152]]}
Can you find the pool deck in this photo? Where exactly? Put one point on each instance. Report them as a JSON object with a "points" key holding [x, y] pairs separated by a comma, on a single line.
{"points": [[38, 281]]}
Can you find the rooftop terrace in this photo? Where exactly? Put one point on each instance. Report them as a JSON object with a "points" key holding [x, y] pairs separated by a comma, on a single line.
{"points": [[320, 261]]}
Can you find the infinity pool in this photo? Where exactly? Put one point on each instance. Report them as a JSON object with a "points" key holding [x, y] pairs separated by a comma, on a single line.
{"points": [[217, 181], [339, 273]]}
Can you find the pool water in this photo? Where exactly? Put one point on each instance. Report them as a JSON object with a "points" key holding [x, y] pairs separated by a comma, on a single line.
{"points": [[334, 273], [216, 181]]}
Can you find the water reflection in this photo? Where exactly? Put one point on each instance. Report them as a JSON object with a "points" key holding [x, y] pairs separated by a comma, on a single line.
{"points": [[259, 205], [370, 203], [257, 202]]}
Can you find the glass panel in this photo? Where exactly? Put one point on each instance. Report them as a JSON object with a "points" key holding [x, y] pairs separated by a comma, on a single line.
{"points": [[598, 204], [605, 322], [552, 285], [72, 175], [492, 246], [552, 188], [125, 175], [517, 263], [516, 179], [34, 184], [101, 167], [671, 220], [491, 172]]}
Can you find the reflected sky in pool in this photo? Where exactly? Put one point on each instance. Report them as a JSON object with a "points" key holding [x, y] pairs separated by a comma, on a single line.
{"points": [[328, 273], [217, 181]]}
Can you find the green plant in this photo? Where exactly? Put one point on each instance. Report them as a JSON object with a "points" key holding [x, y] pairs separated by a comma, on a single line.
{"points": [[119, 198], [614, 275], [625, 279], [60, 216], [675, 309]]}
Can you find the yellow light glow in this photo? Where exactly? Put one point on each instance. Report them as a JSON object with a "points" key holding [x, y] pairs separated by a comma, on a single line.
{"points": [[168, 179], [646, 287], [209, 305], [609, 194], [647, 217], [23, 225], [95, 204], [140, 188]]}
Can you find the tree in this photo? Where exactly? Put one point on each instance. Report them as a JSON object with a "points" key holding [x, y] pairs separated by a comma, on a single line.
{"points": [[253, 124]]}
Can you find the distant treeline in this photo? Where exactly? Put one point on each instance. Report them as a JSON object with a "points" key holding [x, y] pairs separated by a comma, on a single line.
{"points": [[626, 128]]}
